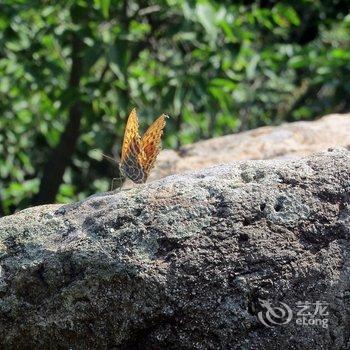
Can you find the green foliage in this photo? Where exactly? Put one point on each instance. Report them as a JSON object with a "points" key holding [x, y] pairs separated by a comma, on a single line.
{"points": [[214, 67]]}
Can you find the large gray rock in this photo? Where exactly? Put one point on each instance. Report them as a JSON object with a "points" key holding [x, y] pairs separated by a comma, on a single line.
{"points": [[286, 141], [186, 262]]}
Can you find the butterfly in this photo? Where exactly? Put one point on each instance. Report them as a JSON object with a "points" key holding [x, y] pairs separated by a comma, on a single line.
{"points": [[139, 153]]}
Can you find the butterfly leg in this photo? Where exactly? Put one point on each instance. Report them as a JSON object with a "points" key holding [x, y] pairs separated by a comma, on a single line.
{"points": [[115, 180], [113, 183]]}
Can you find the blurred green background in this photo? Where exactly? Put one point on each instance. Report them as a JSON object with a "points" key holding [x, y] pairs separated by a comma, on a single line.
{"points": [[71, 71]]}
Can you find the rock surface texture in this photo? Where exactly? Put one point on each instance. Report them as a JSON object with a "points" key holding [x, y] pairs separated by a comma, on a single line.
{"points": [[185, 262], [292, 140]]}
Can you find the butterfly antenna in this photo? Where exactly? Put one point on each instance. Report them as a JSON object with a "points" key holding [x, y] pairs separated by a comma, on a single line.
{"points": [[111, 159]]}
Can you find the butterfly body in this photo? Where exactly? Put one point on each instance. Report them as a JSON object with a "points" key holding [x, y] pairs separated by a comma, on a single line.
{"points": [[139, 154]]}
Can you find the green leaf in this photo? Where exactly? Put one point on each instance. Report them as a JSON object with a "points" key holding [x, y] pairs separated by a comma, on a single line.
{"points": [[285, 15], [251, 67], [103, 5], [341, 54], [298, 61], [206, 16], [223, 83]]}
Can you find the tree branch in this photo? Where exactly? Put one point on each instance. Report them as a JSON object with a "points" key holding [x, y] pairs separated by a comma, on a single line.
{"points": [[62, 154]]}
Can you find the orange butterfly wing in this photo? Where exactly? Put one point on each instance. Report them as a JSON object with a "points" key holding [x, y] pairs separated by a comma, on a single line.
{"points": [[132, 140], [151, 144]]}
